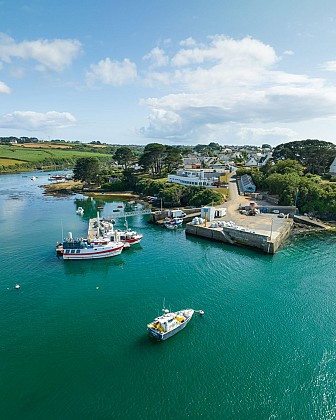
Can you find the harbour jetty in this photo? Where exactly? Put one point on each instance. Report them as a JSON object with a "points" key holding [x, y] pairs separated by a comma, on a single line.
{"points": [[267, 235], [246, 222]]}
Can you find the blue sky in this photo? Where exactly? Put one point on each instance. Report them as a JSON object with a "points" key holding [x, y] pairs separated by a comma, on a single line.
{"points": [[173, 72]]}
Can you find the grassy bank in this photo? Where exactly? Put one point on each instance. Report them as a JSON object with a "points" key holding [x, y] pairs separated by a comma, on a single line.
{"points": [[16, 158]]}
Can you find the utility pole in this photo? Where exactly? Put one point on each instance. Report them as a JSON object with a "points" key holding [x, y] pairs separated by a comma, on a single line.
{"points": [[296, 196], [271, 228]]}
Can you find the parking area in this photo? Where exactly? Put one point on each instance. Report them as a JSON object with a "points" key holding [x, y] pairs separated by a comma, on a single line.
{"points": [[269, 224]]}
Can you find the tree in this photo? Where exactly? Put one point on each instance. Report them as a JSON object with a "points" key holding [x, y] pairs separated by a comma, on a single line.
{"points": [[171, 195], [151, 159], [87, 169], [172, 159], [287, 166], [315, 155], [204, 195], [123, 155]]}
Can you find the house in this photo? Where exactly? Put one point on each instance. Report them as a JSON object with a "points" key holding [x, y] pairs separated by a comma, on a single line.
{"points": [[264, 159], [332, 169], [246, 184], [252, 161], [224, 157], [207, 160], [189, 161]]}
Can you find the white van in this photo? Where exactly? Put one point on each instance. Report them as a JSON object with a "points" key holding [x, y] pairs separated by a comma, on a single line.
{"points": [[176, 213]]}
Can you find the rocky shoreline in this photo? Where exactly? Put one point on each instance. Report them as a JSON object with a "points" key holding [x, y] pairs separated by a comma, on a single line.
{"points": [[77, 187]]}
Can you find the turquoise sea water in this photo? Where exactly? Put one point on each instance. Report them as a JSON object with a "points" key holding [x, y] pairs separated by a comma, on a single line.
{"points": [[265, 348]]}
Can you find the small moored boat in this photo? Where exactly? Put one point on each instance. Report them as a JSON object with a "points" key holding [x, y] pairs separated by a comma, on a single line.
{"points": [[124, 235], [169, 323], [173, 223], [80, 211]]}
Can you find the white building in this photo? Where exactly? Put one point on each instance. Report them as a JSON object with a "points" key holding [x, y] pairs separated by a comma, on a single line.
{"points": [[251, 161], [332, 169], [264, 159], [190, 178]]}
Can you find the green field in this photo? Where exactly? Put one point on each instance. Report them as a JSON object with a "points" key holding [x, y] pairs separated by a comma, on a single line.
{"points": [[19, 157]]}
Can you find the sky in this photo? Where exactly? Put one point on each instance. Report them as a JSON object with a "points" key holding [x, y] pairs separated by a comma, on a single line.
{"points": [[186, 72]]}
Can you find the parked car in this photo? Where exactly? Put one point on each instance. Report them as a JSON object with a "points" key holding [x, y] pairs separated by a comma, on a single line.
{"points": [[276, 211]]}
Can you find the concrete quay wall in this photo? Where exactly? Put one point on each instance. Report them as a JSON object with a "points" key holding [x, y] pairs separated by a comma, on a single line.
{"points": [[161, 215], [239, 237]]}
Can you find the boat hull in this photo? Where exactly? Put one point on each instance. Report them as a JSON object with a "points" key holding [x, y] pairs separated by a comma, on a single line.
{"points": [[93, 254]]}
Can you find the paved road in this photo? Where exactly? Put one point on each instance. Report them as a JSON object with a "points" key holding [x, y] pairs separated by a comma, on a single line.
{"points": [[266, 224], [235, 199]]}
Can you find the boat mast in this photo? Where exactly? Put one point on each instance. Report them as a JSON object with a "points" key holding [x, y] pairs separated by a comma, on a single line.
{"points": [[98, 224]]}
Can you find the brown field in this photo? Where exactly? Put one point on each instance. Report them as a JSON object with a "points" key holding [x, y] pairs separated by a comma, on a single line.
{"points": [[44, 146], [9, 162]]}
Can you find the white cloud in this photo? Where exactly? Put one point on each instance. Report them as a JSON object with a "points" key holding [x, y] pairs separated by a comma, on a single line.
{"points": [[228, 52], [157, 57], [156, 78], [188, 42], [116, 73], [329, 66], [255, 134], [30, 120], [229, 82], [288, 52], [54, 54], [4, 88]]}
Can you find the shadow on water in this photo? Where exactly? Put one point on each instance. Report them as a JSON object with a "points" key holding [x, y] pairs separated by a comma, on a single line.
{"points": [[96, 267], [146, 342]]}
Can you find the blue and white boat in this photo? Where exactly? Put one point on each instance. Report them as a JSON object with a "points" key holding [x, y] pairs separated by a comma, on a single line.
{"points": [[169, 323], [173, 223], [83, 249]]}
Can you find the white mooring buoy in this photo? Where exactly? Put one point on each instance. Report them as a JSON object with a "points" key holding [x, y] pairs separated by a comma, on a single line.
{"points": [[17, 286]]}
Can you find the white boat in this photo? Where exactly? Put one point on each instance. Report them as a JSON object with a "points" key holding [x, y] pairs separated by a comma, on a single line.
{"points": [[173, 223], [127, 236], [80, 211], [57, 178], [82, 249], [33, 178], [171, 227], [169, 323]]}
